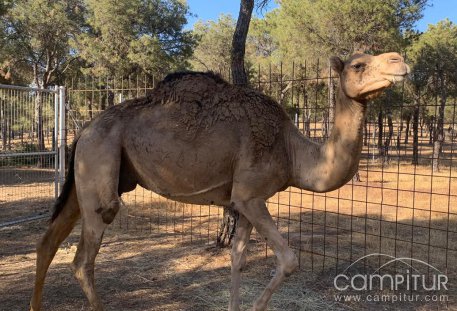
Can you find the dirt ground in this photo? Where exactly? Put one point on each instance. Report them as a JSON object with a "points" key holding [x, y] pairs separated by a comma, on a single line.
{"points": [[144, 272], [147, 271], [158, 255]]}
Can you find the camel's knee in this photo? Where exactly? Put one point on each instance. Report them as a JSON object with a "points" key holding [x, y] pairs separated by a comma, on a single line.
{"points": [[288, 263], [40, 246], [109, 211]]}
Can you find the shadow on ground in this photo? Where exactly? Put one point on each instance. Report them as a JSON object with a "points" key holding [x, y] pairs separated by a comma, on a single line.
{"points": [[138, 271]]}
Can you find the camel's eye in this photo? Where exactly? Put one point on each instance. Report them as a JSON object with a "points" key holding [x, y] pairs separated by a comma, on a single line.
{"points": [[358, 66]]}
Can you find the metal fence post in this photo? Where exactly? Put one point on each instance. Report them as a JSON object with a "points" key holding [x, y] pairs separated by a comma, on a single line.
{"points": [[62, 138], [56, 142]]}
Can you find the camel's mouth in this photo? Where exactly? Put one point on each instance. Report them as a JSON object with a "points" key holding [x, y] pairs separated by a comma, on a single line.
{"points": [[395, 78], [398, 76]]}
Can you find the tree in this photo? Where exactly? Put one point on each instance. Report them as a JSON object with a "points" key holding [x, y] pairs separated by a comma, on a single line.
{"points": [[132, 36], [239, 77], [37, 47], [307, 28], [434, 55], [213, 52], [261, 45]]}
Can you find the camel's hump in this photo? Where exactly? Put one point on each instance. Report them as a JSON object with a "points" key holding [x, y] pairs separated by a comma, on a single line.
{"points": [[199, 100], [193, 74]]}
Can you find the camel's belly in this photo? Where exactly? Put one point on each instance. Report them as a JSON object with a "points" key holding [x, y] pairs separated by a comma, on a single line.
{"points": [[198, 171], [219, 195]]}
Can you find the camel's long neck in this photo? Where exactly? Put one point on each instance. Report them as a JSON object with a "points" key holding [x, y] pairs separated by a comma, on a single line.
{"points": [[326, 167]]}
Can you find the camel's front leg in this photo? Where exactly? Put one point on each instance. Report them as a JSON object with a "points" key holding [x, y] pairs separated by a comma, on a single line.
{"points": [[257, 213], [243, 232]]}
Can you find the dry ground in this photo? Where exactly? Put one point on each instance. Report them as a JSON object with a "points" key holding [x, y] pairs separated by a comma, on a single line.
{"points": [[150, 272], [158, 254], [144, 272]]}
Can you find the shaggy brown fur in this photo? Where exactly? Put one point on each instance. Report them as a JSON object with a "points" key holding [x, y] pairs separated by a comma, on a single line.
{"points": [[199, 100]]}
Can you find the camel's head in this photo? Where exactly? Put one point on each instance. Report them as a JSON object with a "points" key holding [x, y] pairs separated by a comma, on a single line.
{"points": [[364, 77]]}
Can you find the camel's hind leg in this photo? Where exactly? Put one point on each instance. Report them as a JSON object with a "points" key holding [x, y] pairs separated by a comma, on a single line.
{"points": [[84, 261], [97, 181], [59, 229]]}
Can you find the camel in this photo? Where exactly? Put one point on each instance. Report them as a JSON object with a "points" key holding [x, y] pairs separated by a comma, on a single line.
{"points": [[198, 139]]}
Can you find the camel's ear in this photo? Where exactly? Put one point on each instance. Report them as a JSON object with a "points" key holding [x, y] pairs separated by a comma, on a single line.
{"points": [[336, 64]]}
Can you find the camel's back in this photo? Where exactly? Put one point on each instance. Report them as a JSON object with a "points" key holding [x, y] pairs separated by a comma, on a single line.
{"points": [[196, 102]]}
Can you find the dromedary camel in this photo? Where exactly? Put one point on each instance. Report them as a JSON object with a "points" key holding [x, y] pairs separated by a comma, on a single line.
{"points": [[197, 139]]}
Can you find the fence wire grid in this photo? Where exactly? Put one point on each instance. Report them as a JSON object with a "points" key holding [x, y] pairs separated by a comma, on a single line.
{"points": [[402, 202], [28, 155]]}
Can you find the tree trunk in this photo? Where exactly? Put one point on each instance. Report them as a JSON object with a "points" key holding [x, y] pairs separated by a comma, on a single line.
{"points": [[239, 42], [421, 124], [415, 160], [239, 77], [110, 98], [400, 131], [228, 227], [102, 102], [408, 121], [365, 133], [91, 116], [380, 134], [39, 125], [307, 120], [431, 130], [438, 138], [389, 136], [325, 123]]}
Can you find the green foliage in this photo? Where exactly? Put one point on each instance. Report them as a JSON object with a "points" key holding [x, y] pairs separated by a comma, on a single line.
{"points": [[308, 28], [126, 37], [262, 47], [435, 53], [37, 34], [213, 50]]}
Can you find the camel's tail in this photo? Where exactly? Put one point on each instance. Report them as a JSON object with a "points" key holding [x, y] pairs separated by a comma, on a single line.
{"points": [[67, 186]]}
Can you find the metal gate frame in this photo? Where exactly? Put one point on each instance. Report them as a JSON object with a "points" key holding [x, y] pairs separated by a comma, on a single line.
{"points": [[59, 133]]}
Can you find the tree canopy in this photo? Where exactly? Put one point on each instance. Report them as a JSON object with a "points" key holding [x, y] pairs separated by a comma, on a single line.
{"points": [[213, 50], [37, 34], [307, 28], [44, 39], [124, 37]]}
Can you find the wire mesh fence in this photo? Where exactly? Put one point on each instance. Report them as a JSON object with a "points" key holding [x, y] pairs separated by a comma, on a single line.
{"points": [[28, 155], [402, 201]]}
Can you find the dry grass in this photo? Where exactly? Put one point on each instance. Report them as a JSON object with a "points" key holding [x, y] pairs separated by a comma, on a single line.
{"points": [[156, 254], [145, 272]]}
